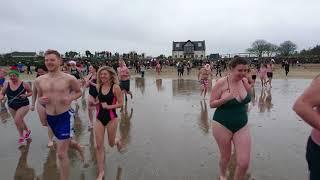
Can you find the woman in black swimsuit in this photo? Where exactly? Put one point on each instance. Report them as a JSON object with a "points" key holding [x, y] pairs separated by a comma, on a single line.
{"points": [[91, 82], [18, 92], [110, 98]]}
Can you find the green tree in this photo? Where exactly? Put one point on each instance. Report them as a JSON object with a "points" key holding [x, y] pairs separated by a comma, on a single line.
{"points": [[287, 48], [71, 54], [259, 47], [88, 53]]}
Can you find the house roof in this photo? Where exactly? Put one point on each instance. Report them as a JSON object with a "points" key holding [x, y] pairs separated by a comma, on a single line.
{"points": [[23, 54], [198, 45]]}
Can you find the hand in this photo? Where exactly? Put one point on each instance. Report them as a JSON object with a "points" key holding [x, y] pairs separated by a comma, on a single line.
{"points": [[105, 105], [1, 97], [23, 96], [43, 100], [67, 100]]}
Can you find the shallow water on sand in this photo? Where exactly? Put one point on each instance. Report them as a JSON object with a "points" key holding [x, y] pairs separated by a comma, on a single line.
{"points": [[168, 135]]}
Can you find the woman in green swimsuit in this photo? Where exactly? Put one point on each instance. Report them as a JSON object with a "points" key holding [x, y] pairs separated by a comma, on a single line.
{"points": [[229, 96]]}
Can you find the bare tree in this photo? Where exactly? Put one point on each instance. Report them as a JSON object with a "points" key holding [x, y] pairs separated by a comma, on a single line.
{"points": [[259, 47], [287, 48]]}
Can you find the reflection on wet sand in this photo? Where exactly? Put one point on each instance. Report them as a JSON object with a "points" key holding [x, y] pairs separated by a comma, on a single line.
{"points": [[23, 171], [140, 84], [159, 84], [4, 114], [204, 120], [124, 126], [50, 168], [185, 87], [269, 104], [262, 101], [265, 100], [119, 173]]}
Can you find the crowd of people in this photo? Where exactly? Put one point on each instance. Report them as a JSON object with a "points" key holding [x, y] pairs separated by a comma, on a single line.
{"points": [[59, 85]]}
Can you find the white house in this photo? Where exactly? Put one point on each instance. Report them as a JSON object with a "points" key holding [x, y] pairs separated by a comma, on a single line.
{"points": [[189, 49]]}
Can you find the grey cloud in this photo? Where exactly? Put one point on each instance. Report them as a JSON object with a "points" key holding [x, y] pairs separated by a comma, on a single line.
{"points": [[150, 26]]}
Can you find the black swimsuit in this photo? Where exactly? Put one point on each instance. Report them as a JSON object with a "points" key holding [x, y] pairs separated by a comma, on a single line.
{"points": [[92, 89], [75, 73], [106, 115], [14, 100]]}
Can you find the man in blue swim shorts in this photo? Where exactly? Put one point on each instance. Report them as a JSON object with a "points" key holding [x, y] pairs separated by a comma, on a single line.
{"points": [[56, 91]]}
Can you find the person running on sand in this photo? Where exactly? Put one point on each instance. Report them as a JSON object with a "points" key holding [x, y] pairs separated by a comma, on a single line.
{"points": [[110, 98], [91, 82], [158, 68], [124, 77], [229, 96], [270, 67], [17, 93], [307, 106], [3, 74], [41, 70], [204, 76], [56, 91], [263, 74]]}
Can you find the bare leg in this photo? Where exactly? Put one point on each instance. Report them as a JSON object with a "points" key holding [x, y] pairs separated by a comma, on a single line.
{"points": [[223, 138], [50, 137], [19, 119], [242, 143], [62, 152], [99, 132], [91, 108], [205, 92], [78, 147], [112, 131]]}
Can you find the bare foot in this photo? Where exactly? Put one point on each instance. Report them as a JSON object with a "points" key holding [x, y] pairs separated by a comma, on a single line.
{"points": [[100, 176], [50, 144]]}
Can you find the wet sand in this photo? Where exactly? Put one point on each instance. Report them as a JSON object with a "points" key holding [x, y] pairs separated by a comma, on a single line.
{"points": [[168, 135]]}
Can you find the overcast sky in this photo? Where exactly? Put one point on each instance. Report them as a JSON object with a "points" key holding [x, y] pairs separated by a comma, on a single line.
{"points": [[150, 26]]}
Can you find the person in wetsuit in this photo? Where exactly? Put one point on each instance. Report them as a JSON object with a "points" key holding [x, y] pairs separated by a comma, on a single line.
{"points": [[17, 93], [229, 96], [307, 106], [110, 98], [91, 82]]}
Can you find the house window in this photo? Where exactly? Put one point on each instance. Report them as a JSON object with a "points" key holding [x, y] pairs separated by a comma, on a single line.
{"points": [[199, 44], [176, 56], [201, 55], [180, 56], [177, 45], [196, 55]]}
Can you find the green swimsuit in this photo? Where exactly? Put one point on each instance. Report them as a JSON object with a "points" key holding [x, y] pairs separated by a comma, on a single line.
{"points": [[232, 114]]}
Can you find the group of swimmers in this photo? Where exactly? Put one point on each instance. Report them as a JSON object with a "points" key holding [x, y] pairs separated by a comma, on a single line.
{"points": [[230, 96], [54, 92]]}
